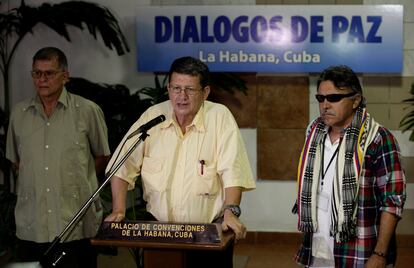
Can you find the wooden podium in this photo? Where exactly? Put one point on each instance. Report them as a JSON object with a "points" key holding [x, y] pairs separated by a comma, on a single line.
{"points": [[165, 244]]}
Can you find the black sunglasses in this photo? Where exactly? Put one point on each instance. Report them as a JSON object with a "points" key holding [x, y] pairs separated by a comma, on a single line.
{"points": [[333, 97]]}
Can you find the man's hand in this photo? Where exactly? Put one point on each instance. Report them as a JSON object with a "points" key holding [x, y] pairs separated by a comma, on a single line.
{"points": [[387, 228], [119, 189], [232, 222], [376, 261], [115, 216]]}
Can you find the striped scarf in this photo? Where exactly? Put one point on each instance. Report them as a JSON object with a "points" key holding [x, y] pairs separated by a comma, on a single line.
{"points": [[350, 158]]}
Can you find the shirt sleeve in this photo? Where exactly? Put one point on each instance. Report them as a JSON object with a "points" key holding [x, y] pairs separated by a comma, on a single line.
{"points": [[98, 132], [233, 163], [390, 178]]}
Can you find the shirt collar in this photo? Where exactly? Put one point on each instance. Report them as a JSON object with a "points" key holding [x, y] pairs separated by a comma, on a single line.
{"points": [[198, 121], [63, 100]]}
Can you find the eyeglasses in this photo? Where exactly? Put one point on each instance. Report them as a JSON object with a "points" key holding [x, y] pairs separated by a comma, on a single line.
{"points": [[49, 74], [187, 90], [333, 97]]}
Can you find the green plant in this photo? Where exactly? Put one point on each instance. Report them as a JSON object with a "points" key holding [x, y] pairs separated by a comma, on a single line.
{"points": [[16, 23], [7, 198], [407, 122]]}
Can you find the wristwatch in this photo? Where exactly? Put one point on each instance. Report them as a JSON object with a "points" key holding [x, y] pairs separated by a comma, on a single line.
{"points": [[235, 209]]}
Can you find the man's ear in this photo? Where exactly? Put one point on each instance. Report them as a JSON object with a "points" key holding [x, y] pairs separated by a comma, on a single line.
{"points": [[65, 77], [357, 101], [206, 92]]}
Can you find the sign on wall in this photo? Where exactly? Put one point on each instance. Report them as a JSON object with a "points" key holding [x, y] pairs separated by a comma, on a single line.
{"points": [[273, 38]]}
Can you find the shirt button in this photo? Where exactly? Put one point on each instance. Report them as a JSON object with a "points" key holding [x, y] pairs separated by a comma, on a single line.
{"points": [[49, 211], [47, 124], [47, 146], [47, 190], [46, 168]]}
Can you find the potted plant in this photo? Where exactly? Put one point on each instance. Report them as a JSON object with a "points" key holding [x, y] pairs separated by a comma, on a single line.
{"points": [[407, 122]]}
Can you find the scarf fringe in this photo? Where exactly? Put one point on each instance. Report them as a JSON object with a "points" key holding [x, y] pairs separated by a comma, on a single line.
{"points": [[295, 208], [347, 233], [304, 254], [306, 227]]}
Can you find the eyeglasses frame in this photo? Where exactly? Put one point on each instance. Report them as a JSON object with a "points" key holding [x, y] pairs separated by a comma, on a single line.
{"points": [[187, 90], [37, 74]]}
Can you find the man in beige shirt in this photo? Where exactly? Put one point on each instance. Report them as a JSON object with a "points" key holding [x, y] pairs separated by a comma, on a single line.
{"points": [[58, 142], [194, 165]]}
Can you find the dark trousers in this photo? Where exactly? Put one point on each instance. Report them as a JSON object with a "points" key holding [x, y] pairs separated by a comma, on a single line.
{"points": [[78, 253], [210, 258]]}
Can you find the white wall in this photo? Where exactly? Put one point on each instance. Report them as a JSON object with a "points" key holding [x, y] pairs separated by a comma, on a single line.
{"points": [[265, 209], [87, 57]]}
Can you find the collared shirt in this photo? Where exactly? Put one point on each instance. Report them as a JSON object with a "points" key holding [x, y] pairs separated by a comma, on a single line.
{"points": [[381, 188], [184, 176], [322, 241], [56, 165]]}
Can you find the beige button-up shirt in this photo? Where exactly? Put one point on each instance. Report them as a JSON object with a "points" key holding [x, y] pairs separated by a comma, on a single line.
{"points": [[184, 176], [56, 165]]}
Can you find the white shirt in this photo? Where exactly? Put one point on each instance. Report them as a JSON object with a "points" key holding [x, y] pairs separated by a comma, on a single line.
{"points": [[322, 242]]}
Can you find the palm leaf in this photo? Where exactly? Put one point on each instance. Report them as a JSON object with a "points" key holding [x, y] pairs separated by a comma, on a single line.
{"points": [[17, 22], [158, 93], [95, 17], [409, 100], [228, 82], [407, 122], [407, 125]]}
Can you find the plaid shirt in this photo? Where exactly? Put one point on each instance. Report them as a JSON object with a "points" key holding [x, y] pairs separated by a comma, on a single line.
{"points": [[381, 188]]}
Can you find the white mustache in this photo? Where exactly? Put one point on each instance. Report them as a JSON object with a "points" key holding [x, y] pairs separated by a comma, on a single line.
{"points": [[328, 113]]}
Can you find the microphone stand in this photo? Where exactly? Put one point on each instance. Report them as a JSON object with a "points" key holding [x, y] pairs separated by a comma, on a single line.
{"points": [[52, 255]]}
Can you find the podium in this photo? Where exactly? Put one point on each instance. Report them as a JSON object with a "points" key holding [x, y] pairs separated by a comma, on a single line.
{"points": [[164, 242]]}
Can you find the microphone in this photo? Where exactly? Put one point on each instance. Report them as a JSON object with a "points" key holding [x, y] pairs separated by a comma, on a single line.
{"points": [[145, 127]]}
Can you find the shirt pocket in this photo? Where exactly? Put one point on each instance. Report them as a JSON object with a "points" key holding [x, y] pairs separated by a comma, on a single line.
{"points": [[25, 207], [77, 146], [69, 202], [152, 174], [207, 183], [74, 158], [27, 152]]}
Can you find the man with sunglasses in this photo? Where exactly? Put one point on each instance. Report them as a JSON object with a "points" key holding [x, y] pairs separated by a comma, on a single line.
{"points": [[57, 142], [351, 186]]}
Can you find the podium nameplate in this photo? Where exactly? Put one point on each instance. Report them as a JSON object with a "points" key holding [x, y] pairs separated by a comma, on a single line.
{"points": [[155, 231]]}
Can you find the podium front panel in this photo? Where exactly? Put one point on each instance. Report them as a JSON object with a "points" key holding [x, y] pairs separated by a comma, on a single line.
{"points": [[163, 235]]}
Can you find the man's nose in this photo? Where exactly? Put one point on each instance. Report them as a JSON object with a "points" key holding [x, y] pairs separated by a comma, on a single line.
{"points": [[325, 103], [43, 77]]}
